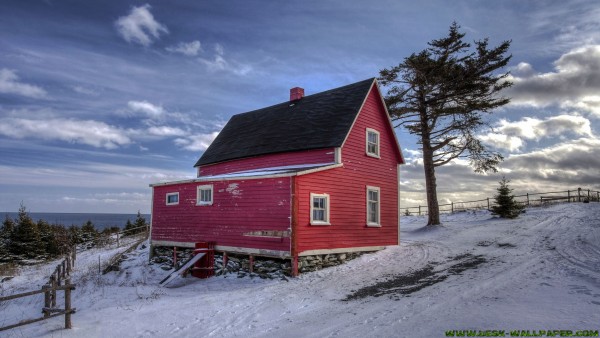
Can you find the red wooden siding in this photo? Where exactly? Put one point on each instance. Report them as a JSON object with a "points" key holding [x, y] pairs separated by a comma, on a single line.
{"points": [[347, 189], [238, 207], [316, 156]]}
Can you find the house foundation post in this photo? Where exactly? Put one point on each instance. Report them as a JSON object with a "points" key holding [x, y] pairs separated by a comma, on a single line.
{"points": [[224, 260], [251, 264], [174, 256], [295, 266]]}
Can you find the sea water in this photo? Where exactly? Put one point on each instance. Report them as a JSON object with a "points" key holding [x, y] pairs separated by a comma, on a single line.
{"points": [[101, 221]]}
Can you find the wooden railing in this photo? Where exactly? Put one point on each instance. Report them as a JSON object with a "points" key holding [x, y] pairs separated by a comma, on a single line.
{"points": [[48, 311], [528, 199], [59, 280]]}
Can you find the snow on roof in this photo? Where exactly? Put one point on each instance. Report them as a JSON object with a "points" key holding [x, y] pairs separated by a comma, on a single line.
{"points": [[279, 171]]}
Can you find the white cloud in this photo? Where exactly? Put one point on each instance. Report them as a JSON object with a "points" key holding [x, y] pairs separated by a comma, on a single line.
{"points": [[535, 129], [219, 49], [575, 82], [106, 199], [574, 161], [139, 26], [146, 108], [196, 142], [219, 63], [511, 143], [189, 48], [93, 133], [166, 131], [589, 104], [85, 90], [510, 135], [523, 69], [105, 176], [9, 84]]}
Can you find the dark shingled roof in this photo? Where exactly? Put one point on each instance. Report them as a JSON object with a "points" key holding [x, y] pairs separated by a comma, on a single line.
{"points": [[316, 121]]}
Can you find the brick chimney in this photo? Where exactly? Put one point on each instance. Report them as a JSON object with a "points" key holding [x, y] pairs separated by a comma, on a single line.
{"points": [[296, 93]]}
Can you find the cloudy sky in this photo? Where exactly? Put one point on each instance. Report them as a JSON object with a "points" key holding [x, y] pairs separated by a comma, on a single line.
{"points": [[100, 98]]}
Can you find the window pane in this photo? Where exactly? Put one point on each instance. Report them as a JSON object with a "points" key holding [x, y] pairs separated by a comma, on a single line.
{"points": [[372, 137], [319, 208], [373, 206], [173, 199], [372, 143], [318, 202], [373, 195], [205, 195]]}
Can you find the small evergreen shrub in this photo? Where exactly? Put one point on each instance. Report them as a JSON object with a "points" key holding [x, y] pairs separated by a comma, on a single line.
{"points": [[506, 206]]}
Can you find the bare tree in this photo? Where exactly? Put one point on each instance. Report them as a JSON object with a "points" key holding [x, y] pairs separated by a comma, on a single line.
{"points": [[440, 94]]}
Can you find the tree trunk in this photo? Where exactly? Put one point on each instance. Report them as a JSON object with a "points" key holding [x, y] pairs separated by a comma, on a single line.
{"points": [[433, 209]]}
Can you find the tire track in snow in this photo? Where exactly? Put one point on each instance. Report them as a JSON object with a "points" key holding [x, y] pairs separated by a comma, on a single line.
{"points": [[575, 242]]}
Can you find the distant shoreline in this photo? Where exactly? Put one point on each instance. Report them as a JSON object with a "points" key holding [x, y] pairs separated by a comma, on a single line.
{"points": [[100, 220]]}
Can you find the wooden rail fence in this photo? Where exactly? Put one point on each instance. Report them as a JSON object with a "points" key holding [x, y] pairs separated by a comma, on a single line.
{"points": [[528, 199], [59, 280]]}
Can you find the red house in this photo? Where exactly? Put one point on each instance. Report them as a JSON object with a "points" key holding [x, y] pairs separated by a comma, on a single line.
{"points": [[316, 175]]}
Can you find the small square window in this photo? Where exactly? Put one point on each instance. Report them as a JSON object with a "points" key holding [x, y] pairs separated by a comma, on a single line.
{"points": [[372, 144], [319, 209], [172, 198], [205, 195], [373, 206]]}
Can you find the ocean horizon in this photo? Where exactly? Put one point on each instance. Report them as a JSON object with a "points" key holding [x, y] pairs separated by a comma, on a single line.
{"points": [[100, 220]]}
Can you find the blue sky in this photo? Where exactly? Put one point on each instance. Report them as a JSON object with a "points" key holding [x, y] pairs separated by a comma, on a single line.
{"points": [[100, 98]]}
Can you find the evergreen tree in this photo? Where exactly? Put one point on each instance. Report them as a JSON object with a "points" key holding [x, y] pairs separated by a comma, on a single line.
{"points": [[440, 95], [506, 206], [62, 237], [128, 231], [48, 238], [7, 227], [75, 234], [140, 223], [5, 233], [25, 239], [89, 234]]}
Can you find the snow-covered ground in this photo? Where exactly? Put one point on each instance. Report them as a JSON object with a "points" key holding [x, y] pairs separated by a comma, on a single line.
{"points": [[538, 272]]}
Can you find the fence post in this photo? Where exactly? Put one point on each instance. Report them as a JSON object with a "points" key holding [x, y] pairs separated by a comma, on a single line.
{"points": [[488, 202], [47, 299], [419, 210], [451, 207], [117, 239], [569, 196], [598, 196], [68, 264], [53, 292], [588, 195], [578, 194], [68, 304], [527, 199]]}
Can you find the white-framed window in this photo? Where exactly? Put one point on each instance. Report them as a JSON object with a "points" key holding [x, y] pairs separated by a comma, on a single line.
{"points": [[319, 209], [373, 206], [205, 195], [172, 198], [372, 143]]}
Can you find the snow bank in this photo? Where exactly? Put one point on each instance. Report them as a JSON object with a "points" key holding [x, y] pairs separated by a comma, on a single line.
{"points": [[539, 271]]}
